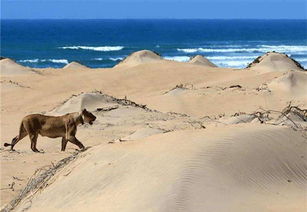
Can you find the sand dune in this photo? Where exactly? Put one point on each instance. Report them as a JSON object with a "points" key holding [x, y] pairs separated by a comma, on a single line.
{"points": [[10, 67], [274, 61], [90, 101], [293, 83], [201, 60], [169, 136], [140, 57], [202, 169], [75, 65]]}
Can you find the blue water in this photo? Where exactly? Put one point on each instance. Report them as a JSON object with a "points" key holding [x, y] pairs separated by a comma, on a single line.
{"points": [[103, 43]]}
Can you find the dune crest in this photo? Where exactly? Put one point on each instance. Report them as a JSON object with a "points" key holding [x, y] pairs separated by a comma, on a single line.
{"points": [[274, 61], [75, 65], [10, 67], [140, 57], [201, 60]]}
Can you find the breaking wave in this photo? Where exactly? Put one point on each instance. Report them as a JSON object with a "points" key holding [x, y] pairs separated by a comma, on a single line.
{"points": [[230, 57], [177, 58], [94, 48], [259, 49], [111, 58], [63, 61], [116, 58], [29, 61]]}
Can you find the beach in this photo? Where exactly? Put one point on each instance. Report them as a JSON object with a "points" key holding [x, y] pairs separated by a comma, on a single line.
{"points": [[169, 136]]}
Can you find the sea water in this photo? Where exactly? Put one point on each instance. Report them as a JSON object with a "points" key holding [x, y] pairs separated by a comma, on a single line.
{"points": [[104, 43]]}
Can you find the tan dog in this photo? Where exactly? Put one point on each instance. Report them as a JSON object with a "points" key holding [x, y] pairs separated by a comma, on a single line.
{"points": [[53, 127]]}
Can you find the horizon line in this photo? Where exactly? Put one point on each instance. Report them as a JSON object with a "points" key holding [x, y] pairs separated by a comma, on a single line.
{"points": [[300, 19]]}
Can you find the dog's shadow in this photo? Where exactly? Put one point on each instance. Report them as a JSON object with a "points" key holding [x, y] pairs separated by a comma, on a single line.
{"points": [[83, 150]]}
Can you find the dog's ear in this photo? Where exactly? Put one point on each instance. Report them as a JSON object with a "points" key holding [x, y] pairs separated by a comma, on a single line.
{"points": [[84, 110]]}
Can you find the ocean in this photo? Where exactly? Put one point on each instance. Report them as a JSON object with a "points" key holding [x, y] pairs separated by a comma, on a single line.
{"points": [[103, 43]]}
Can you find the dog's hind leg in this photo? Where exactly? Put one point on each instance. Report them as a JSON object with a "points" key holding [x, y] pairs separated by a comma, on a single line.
{"points": [[33, 138]]}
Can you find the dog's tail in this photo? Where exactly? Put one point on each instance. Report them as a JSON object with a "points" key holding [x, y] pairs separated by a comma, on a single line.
{"points": [[16, 138], [7, 144]]}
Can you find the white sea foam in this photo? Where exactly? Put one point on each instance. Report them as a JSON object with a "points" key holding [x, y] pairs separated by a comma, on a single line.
{"points": [[231, 57], [223, 50], [58, 61], [232, 63], [116, 58], [301, 59], [64, 61], [177, 58], [188, 50], [29, 61], [285, 48], [111, 58], [261, 48], [95, 48], [219, 50]]}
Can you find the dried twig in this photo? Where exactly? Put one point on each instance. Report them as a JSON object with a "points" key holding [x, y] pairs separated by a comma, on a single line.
{"points": [[107, 109], [300, 112], [37, 182]]}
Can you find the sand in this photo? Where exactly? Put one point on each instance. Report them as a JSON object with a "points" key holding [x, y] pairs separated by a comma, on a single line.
{"points": [[292, 83], [140, 57], [169, 136], [186, 171], [274, 61], [201, 60], [10, 67], [75, 65]]}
